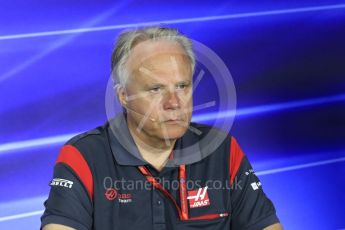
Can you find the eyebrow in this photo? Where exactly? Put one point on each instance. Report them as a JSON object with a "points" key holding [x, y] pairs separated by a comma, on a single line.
{"points": [[185, 81], [149, 85], [157, 84]]}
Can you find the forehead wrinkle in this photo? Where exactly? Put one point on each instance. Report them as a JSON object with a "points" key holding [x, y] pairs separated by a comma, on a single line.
{"points": [[150, 74], [174, 65], [146, 49], [168, 60]]}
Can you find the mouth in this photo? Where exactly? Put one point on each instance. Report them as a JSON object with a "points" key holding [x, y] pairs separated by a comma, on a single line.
{"points": [[173, 121]]}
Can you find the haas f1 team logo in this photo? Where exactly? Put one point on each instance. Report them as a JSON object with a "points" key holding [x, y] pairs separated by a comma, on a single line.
{"points": [[112, 194], [198, 198]]}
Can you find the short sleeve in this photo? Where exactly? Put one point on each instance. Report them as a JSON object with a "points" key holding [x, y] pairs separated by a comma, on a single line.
{"points": [[69, 202], [251, 208]]}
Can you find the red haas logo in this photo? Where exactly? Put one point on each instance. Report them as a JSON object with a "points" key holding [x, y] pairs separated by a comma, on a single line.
{"points": [[198, 198], [111, 194]]}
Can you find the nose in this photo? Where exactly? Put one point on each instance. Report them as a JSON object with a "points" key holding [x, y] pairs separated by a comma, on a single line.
{"points": [[172, 100]]}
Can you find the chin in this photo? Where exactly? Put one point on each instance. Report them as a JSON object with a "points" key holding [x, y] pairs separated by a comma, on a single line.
{"points": [[173, 132]]}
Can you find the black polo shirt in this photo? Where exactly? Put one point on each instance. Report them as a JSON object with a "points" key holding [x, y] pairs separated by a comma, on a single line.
{"points": [[98, 183]]}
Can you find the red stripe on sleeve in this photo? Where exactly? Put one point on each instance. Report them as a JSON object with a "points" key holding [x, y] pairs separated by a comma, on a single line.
{"points": [[236, 156], [71, 156]]}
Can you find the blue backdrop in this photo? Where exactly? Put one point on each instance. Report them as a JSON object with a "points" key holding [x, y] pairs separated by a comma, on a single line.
{"points": [[287, 60]]}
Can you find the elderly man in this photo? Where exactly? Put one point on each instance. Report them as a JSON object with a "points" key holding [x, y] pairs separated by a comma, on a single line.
{"points": [[151, 142]]}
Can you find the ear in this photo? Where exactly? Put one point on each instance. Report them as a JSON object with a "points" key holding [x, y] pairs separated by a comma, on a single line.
{"points": [[121, 95]]}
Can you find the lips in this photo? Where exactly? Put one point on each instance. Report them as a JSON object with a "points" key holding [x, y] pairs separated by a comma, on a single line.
{"points": [[173, 121], [174, 118]]}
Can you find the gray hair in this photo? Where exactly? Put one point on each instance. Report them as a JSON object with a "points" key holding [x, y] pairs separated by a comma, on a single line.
{"points": [[128, 39]]}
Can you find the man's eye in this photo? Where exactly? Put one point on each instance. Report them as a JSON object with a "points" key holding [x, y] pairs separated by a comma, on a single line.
{"points": [[155, 89], [181, 86]]}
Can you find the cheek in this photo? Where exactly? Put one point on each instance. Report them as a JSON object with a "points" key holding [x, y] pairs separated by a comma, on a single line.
{"points": [[188, 106], [186, 99], [145, 104]]}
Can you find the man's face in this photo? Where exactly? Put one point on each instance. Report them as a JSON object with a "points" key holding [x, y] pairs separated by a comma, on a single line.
{"points": [[159, 90]]}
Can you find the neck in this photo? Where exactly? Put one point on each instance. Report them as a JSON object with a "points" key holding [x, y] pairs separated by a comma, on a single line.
{"points": [[158, 155]]}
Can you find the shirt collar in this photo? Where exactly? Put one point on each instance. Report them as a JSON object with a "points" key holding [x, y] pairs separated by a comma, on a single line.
{"points": [[125, 151]]}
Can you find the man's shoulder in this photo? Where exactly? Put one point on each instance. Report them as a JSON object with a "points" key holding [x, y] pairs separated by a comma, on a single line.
{"points": [[212, 140], [206, 129], [88, 137], [91, 145]]}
